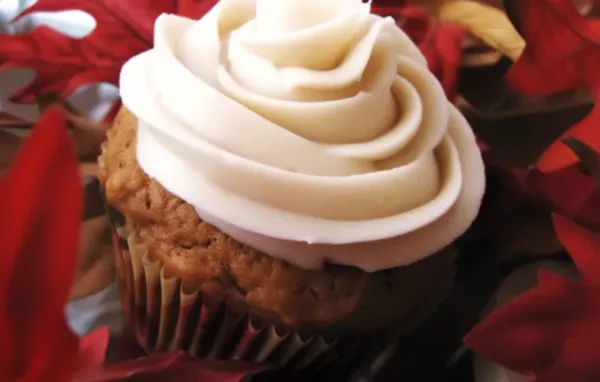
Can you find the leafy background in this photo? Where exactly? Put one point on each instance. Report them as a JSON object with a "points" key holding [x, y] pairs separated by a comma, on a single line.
{"points": [[521, 121]]}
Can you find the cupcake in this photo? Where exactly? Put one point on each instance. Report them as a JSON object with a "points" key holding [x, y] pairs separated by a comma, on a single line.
{"points": [[287, 180]]}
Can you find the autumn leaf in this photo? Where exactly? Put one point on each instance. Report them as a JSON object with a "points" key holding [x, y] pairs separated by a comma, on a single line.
{"points": [[63, 64], [92, 350], [12, 121], [444, 52], [40, 200], [87, 136], [548, 333], [589, 160], [583, 245], [172, 366], [489, 24], [562, 53], [580, 202]]}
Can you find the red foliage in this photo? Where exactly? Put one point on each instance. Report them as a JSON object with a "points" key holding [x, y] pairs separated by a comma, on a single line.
{"points": [[125, 28], [92, 350], [440, 43], [563, 48], [562, 53], [551, 332], [580, 200], [63, 64], [168, 367], [40, 204]]}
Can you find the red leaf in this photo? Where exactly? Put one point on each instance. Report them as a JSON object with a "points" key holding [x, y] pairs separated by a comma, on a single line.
{"points": [[448, 45], [580, 202], [589, 160], [195, 8], [550, 331], [415, 21], [583, 245], [40, 204], [176, 366], [63, 64], [92, 350], [110, 116], [562, 53], [558, 156]]}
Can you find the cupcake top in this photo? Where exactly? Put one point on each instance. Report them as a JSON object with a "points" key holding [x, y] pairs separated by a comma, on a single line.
{"points": [[316, 119]]}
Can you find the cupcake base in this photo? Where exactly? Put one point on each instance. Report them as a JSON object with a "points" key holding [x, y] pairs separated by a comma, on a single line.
{"points": [[167, 315], [186, 285]]}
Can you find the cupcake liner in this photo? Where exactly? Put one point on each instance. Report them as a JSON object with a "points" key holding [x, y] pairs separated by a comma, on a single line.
{"points": [[166, 315]]}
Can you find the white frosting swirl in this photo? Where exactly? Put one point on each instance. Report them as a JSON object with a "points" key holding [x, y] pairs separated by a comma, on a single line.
{"points": [[310, 130]]}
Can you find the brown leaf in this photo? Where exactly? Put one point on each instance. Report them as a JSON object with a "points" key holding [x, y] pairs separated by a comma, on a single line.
{"points": [[93, 203], [45, 100], [95, 267], [9, 143], [87, 135], [9, 120]]}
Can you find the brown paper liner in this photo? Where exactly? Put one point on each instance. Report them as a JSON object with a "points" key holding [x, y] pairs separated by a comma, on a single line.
{"points": [[166, 315]]}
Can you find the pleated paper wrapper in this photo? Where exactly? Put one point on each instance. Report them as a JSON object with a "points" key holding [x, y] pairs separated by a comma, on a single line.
{"points": [[164, 315]]}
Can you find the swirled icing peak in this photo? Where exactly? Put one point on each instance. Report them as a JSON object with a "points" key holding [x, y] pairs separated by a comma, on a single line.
{"points": [[310, 130]]}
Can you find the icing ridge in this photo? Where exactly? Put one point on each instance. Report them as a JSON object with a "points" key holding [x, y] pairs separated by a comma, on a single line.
{"points": [[318, 120]]}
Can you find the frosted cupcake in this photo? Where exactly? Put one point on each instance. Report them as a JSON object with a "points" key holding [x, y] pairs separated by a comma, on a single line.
{"points": [[293, 165]]}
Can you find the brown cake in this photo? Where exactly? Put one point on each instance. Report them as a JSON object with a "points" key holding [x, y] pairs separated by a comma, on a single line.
{"points": [[332, 299]]}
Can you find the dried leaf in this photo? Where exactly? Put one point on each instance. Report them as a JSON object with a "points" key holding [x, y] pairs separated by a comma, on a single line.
{"points": [[582, 245], [9, 143], [88, 136], [562, 54], [547, 333], [581, 201], [63, 64], [589, 160], [40, 200], [489, 24], [93, 202], [173, 366], [92, 349], [9, 120]]}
